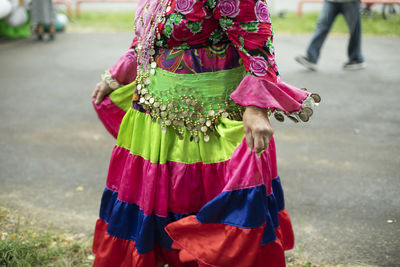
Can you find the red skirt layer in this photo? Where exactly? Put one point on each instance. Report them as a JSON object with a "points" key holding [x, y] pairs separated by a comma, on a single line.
{"points": [[198, 248]]}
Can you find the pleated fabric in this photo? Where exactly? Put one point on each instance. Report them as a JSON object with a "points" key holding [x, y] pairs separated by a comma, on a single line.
{"points": [[176, 202]]}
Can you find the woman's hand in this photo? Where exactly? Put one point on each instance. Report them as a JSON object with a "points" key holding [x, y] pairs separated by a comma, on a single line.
{"points": [[257, 128], [101, 91]]}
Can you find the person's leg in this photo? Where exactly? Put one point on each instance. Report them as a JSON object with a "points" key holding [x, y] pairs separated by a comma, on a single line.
{"points": [[39, 31], [351, 13], [52, 31], [327, 17]]}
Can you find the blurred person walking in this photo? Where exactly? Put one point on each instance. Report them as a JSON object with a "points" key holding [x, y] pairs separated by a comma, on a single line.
{"points": [[43, 13], [350, 9]]}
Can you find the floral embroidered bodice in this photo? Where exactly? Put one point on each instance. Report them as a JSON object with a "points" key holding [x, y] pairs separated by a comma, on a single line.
{"points": [[205, 23], [211, 35]]}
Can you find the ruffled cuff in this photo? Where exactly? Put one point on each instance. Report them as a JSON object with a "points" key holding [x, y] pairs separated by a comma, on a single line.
{"points": [[279, 97], [125, 70]]}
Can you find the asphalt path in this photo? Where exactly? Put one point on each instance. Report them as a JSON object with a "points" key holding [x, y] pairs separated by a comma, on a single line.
{"points": [[340, 172]]}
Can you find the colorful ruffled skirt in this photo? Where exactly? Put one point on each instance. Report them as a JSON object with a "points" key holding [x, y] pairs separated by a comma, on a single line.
{"points": [[170, 200]]}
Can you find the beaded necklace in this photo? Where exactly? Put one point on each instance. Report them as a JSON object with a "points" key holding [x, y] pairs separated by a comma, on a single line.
{"points": [[149, 14]]}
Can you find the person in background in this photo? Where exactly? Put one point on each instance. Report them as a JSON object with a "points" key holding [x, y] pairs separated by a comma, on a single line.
{"points": [[43, 12], [331, 8]]}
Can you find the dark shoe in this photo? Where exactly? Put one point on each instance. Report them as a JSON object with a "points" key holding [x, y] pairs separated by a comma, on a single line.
{"points": [[354, 65], [39, 37], [52, 37], [306, 63]]}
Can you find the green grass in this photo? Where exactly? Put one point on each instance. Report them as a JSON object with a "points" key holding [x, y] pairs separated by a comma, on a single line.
{"points": [[290, 23], [24, 244], [103, 21]]}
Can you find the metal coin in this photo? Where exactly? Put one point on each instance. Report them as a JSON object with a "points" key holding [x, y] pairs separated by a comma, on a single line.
{"points": [[164, 129], [164, 114], [279, 116], [309, 111], [147, 81], [160, 121], [151, 100], [152, 52], [204, 129], [316, 97], [206, 138], [208, 123], [211, 112], [142, 100], [196, 138], [170, 106], [168, 122], [152, 71], [139, 86], [293, 119], [163, 107], [202, 120], [156, 104], [304, 116], [168, 9], [225, 114], [153, 65], [197, 107], [147, 96]]}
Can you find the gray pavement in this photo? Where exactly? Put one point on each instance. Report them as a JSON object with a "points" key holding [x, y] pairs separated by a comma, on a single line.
{"points": [[340, 172]]}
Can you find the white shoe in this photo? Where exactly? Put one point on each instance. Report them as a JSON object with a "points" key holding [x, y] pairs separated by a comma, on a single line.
{"points": [[306, 63], [354, 65]]}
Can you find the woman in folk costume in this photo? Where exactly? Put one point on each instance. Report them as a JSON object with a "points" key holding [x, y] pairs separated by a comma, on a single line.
{"points": [[193, 178]]}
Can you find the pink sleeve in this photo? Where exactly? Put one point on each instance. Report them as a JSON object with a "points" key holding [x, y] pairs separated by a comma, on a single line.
{"points": [[248, 26], [124, 71], [260, 92]]}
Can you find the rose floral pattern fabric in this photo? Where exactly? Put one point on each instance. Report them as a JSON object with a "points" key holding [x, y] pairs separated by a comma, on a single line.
{"points": [[192, 27], [244, 23]]}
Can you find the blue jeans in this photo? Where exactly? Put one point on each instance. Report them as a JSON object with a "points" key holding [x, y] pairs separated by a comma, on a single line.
{"points": [[351, 13]]}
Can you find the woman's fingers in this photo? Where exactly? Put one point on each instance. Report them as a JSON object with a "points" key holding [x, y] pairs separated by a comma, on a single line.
{"points": [[249, 141], [94, 93], [258, 143], [100, 96]]}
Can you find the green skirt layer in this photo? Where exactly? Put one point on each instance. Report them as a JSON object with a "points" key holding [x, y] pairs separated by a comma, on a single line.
{"points": [[143, 137]]}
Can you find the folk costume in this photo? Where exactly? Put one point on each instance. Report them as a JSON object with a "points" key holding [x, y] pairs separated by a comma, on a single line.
{"points": [[182, 187]]}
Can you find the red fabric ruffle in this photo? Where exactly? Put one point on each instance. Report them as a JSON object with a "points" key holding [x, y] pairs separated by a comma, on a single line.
{"points": [[225, 245]]}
